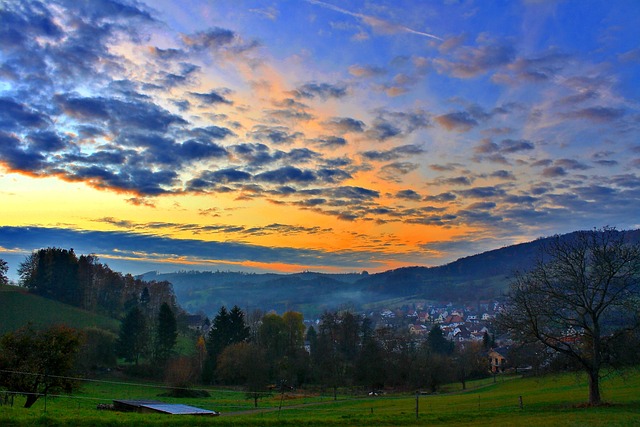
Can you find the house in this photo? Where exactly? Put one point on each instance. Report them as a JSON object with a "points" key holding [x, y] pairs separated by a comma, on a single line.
{"points": [[454, 318], [388, 314], [198, 322], [498, 359], [418, 329], [459, 333]]}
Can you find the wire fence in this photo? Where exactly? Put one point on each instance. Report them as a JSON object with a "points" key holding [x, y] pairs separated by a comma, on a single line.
{"points": [[101, 393]]}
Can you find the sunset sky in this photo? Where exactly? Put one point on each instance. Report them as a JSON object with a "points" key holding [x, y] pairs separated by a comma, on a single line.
{"points": [[333, 136]]}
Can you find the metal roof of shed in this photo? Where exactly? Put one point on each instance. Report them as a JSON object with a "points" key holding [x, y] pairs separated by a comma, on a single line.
{"points": [[165, 408]]}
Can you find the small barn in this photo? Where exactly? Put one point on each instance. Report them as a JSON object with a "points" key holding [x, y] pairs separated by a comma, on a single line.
{"points": [[154, 406]]}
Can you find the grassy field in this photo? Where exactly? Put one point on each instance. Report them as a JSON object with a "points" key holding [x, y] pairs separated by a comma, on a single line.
{"points": [[549, 401], [20, 307]]}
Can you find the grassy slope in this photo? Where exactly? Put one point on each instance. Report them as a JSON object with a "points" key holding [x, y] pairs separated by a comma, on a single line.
{"points": [[549, 401], [19, 307]]}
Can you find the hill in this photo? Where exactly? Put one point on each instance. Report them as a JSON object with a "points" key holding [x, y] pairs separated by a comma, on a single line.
{"points": [[469, 279], [20, 307]]}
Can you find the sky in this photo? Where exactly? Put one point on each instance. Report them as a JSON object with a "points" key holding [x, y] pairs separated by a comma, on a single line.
{"points": [[331, 136]]}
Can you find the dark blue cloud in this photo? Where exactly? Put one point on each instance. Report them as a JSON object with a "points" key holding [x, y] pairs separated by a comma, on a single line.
{"points": [[211, 98], [17, 158], [329, 141], [468, 62], [274, 134], [597, 114], [46, 141], [441, 198], [213, 132], [286, 175], [460, 121], [394, 153], [408, 195], [217, 180], [139, 181], [119, 114], [352, 193], [333, 176], [212, 38], [344, 125], [29, 19], [113, 158], [458, 180], [15, 115], [503, 174], [513, 146], [554, 172], [320, 90], [482, 192], [198, 150]]}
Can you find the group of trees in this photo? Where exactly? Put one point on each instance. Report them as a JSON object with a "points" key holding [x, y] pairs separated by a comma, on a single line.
{"points": [[344, 351], [84, 282], [143, 336]]}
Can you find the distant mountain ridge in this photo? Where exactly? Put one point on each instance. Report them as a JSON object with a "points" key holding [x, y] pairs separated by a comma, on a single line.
{"points": [[477, 277]]}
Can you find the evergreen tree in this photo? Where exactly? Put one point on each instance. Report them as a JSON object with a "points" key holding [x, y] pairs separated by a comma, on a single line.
{"points": [[228, 328], [437, 342], [166, 333], [215, 344], [238, 329], [133, 339], [486, 341]]}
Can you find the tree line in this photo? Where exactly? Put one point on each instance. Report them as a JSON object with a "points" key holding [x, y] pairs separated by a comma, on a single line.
{"points": [[342, 350], [82, 281]]}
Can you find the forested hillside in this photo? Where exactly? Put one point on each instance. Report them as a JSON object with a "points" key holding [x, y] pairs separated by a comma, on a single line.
{"points": [[82, 281], [477, 277]]}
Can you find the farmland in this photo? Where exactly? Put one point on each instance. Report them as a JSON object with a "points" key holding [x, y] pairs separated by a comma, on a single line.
{"points": [[550, 400]]}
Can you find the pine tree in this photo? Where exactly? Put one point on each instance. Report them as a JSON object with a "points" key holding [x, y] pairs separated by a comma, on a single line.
{"points": [[133, 339], [166, 333], [437, 342], [228, 328], [238, 329]]}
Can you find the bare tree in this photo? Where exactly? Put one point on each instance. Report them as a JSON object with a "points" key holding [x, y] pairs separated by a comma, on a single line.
{"points": [[579, 297]]}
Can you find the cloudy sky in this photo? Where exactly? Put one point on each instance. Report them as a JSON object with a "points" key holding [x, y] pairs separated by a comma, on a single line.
{"points": [[333, 136]]}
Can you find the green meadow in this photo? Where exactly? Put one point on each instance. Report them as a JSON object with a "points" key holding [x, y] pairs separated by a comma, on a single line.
{"points": [[553, 400], [19, 307]]}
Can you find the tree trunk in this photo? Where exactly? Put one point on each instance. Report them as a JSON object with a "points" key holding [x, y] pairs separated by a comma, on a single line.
{"points": [[594, 371], [31, 399], [594, 387]]}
